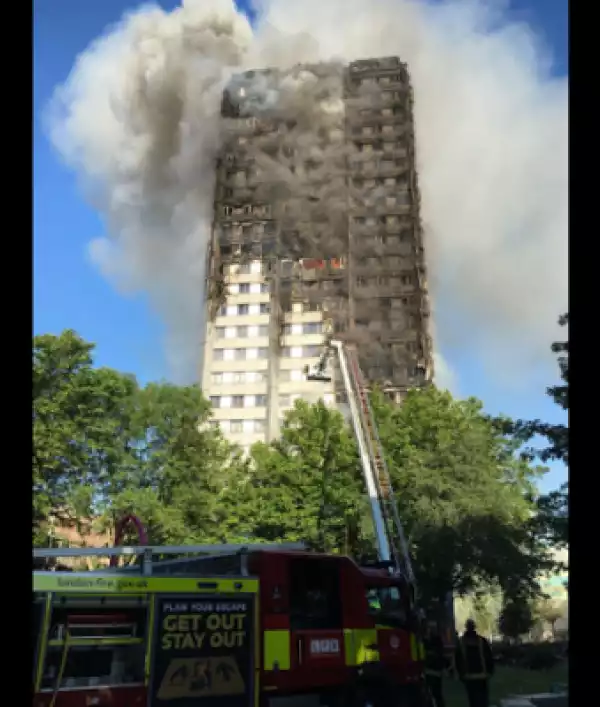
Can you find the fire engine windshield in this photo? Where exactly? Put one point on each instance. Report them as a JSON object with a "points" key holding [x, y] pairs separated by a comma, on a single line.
{"points": [[387, 605]]}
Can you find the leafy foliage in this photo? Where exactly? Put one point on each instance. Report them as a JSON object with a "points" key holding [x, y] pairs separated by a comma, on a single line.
{"points": [[104, 446], [556, 434], [517, 617], [551, 520], [550, 611], [306, 485], [462, 492]]}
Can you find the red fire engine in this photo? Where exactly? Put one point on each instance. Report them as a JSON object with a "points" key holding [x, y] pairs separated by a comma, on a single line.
{"points": [[233, 626]]}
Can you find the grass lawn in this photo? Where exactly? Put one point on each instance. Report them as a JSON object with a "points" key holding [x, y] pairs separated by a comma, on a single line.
{"points": [[509, 681]]}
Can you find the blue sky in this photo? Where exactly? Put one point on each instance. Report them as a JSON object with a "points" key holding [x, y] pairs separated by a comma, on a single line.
{"points": [[69, 292]]}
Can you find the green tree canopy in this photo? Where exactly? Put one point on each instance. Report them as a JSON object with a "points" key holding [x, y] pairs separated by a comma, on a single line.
{"points": [[553, 508], [306, 485], [103, 446], [80, 419], [517, 617], [462, 491]]}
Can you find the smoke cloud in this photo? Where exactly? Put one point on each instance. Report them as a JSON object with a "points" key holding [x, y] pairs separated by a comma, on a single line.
{"points": [[138, 119]]}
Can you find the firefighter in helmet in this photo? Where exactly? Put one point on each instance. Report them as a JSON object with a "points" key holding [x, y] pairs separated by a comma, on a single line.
{"points": [[435, 662], [475, 665]]}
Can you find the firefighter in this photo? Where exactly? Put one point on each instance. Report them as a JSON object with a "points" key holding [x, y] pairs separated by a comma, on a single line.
{"points": [[434, 663], [475, 665]]}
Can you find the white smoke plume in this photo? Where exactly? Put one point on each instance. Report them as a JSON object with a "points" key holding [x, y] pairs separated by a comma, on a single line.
{"points": [[138, 118]]}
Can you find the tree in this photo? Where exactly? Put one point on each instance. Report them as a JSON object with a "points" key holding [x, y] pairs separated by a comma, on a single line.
{"points": [[79, 422], [181, 468], [306, 485], [103, 447], [483, 606], [462, 493], [461, 489], [549, 612], [516, 617], [553, 508], [557, 434]]}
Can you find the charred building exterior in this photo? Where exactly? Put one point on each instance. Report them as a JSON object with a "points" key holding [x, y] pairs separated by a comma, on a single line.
{"points": [[316, 233]]}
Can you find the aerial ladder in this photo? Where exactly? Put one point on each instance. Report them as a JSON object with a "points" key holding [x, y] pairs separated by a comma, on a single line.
{"points": [[392, 547]]}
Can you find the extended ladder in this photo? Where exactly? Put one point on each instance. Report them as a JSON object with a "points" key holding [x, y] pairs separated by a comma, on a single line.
{"points": [[391, 540]]}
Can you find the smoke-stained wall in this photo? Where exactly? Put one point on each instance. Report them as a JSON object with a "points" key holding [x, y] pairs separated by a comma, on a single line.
{"points": [[317, 178]]}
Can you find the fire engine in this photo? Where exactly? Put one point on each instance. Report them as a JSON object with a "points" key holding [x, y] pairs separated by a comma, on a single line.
{"points": [[233, 625]]}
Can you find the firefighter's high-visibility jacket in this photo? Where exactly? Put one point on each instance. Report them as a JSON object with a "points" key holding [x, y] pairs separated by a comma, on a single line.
{"points": [[474, 659], [435, 661]]}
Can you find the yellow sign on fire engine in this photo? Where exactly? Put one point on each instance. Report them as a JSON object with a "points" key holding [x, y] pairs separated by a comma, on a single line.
{"points": [[201, 677]]}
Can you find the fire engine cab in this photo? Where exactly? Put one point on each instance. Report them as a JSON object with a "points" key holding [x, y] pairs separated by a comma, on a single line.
{"points": [[238, 626]]}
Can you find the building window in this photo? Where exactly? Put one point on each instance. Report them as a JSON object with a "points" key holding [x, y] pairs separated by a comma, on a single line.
{"points": [[216, 378], [260, 401], [223, 310], [242, 332], [259, 425], [311, 351], [244, 269], [265, 308], [218, 354], [215, 401], [263, 330], [284, 401], [237, 401], [220, 332], [263, 352], [264, 287], [239, 354], [313, 328], [244, 288], [236, 426], [406, 279], [243, 309]]}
